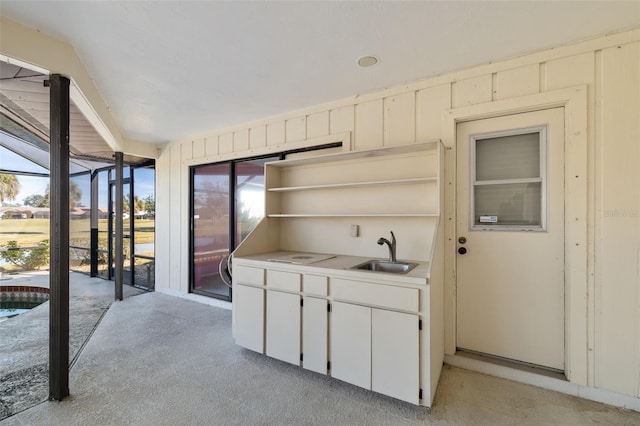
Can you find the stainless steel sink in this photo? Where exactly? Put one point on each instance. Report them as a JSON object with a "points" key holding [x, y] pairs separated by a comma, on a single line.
{"points": [[385, 266]]}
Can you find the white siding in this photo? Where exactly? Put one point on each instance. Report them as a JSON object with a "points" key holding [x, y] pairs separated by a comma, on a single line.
{"points": [[211, 146], [472, 91], [225, 143], [318, 124], [608, 66], [400, 119], [198, 148], [241, 140], [275, 133], [617, 354], [296, 129], [257, 137], [430, 103], [369, 125], [342, 119], [176, 226], [163, 216], [517, 82]]}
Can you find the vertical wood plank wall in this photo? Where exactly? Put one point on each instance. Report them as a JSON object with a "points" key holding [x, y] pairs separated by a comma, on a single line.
{"points": [[609, 66]]}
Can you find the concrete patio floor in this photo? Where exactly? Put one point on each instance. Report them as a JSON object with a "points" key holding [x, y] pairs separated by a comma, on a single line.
{"points": [[24, 339], [161, 360]]}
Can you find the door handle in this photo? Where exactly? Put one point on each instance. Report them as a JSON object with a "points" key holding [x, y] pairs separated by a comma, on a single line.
{"points": [[462, 250]]}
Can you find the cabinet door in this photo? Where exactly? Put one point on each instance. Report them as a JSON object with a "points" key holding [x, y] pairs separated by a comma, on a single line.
{"points": [[351, 344], [248, 312], [314, 334], [394, 354], [283, 326]]}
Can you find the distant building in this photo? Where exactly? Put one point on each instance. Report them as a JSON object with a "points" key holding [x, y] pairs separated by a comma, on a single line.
{"points": [[15, 213]]}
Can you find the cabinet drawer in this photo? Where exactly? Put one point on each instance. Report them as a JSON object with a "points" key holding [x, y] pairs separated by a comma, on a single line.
{"points": [[385, 296], [315, 284], [248, 275], [283, 280]]}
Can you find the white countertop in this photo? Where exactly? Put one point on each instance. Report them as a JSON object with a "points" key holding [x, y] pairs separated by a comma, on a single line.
{"points": [[339, 264]]}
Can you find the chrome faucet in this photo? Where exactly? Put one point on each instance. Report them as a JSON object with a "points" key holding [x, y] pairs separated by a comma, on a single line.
{"points": [[392, 246]]}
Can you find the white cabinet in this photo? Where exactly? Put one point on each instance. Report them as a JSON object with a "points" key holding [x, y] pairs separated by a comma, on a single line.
{"points": [[315, 334], [283, 326], [283, 316], [376, 349], [388, 315], [248, 313], [294, 328], [371, 337], [248, 307], [315, 323], [395, 354], [363, 331], [351, 343]]}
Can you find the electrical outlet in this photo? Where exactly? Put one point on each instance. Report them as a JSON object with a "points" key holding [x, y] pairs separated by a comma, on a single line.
{"points": [[355, 230]]}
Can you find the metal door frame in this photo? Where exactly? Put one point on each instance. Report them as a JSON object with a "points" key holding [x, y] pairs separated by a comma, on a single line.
{"points": [[110, 231]]}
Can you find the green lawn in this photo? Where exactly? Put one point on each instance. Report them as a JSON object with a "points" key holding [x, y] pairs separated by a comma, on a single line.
{"points": [[28, 232]]}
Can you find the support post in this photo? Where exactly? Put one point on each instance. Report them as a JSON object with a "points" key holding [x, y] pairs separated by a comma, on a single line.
{"points": [[94, 225], [119, 226], [59, 238], [132, 232]]}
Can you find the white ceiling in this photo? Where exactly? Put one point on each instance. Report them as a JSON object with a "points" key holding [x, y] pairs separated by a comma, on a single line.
{"points": [[170, 69]]}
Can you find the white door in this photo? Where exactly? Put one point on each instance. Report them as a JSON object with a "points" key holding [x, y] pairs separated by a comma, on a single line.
{"points": [[248, 315], [510, 232], [394, 354], [283, 326], [314, 334], [351, 344]]}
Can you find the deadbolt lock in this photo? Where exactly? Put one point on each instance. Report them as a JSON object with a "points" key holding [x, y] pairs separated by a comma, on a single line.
{"points": [[462, 240]]}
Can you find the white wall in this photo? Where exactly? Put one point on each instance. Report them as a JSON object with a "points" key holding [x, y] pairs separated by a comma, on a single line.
{"points": [[609, 67]]}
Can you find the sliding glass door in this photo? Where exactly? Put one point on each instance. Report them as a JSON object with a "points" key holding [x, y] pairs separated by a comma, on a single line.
{"points": [[210, 227], [249, 195], [227, 202]]}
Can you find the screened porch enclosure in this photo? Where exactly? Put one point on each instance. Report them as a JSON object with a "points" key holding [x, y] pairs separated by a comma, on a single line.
{"points": [[25, 214]]}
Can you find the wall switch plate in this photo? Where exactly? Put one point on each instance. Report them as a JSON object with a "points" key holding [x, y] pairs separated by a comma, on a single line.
{"points": [[355, 230]]}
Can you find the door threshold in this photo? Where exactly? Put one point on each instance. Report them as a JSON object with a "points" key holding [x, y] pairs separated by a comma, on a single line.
{"points": [[512, 364], [546, 380], [511, 371]]}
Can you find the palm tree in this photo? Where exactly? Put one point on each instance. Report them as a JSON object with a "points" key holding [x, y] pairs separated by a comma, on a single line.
{"points": [[138, 204], [75, 194], [9, 187]]}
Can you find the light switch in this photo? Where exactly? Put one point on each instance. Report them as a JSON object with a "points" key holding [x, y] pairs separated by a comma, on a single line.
{"points": [[355, 230]]}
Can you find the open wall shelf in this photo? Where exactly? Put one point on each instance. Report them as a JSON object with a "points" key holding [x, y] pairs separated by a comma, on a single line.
{"points": [[355, 184], [358, 215], [388, 182], [313, 203]]}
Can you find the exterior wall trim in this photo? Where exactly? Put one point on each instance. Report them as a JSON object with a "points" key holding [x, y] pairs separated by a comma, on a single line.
{"points": [[344, 137]]}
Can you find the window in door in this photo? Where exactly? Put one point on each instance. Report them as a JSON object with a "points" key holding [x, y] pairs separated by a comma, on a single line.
{"points": [[509, 180]]}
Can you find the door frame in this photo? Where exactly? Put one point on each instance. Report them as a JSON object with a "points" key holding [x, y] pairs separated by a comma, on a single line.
{"points": [[111, 190], [574, 102], [232, 226]]}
